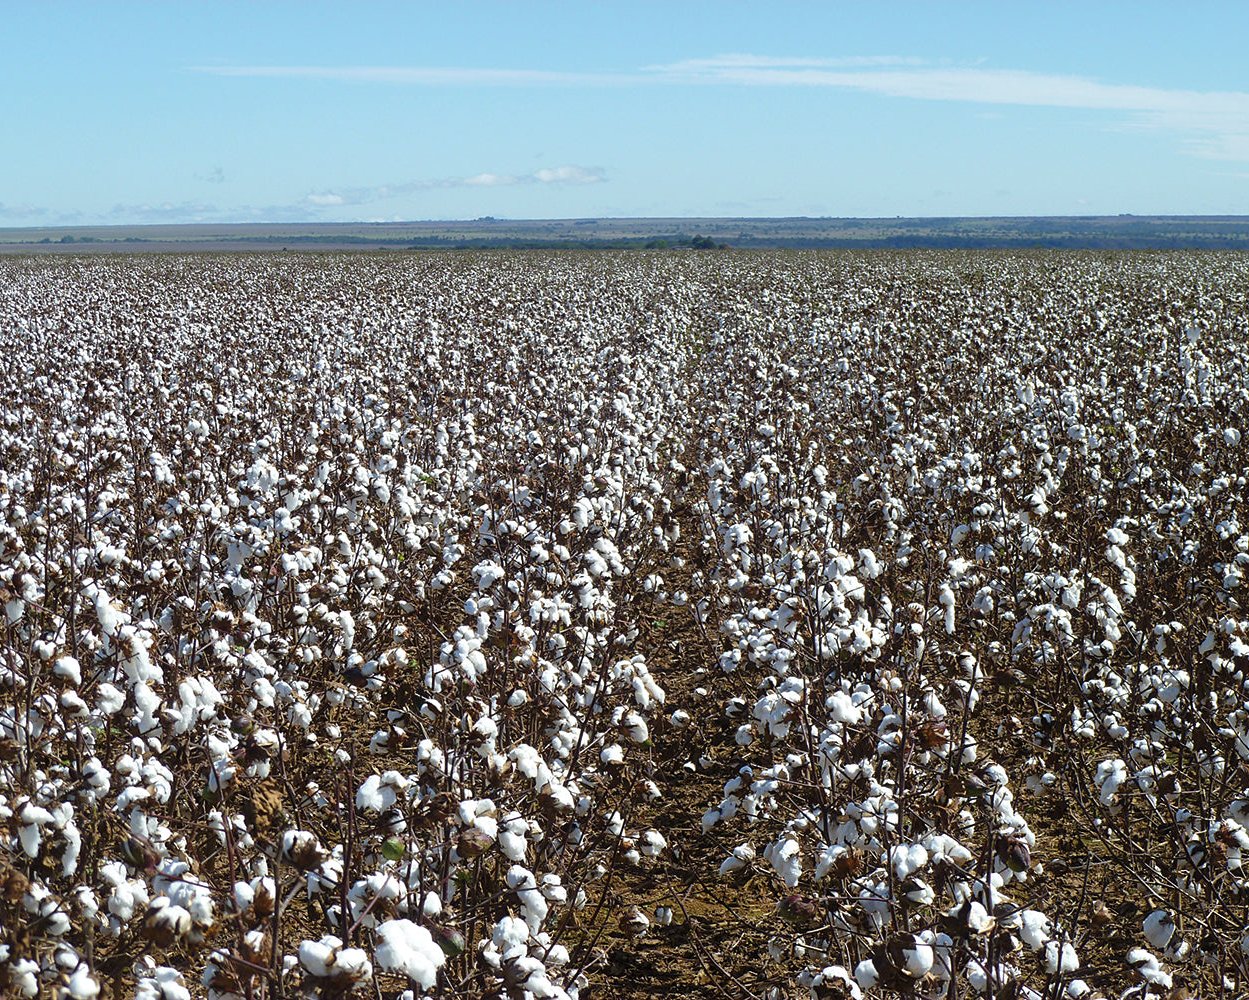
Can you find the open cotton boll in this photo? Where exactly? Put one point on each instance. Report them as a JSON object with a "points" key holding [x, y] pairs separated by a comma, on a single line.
{"points": [[738, 858], [533, 904], [635, 728], [510, 933], [841, 708], [917, 960], [834, 981], [1034, 929], [353, 964], [163, 984], [30, 833], [375, 796], [652, 843], [945, 598], [1111, 776], [907, 859], [1060, 957], [316, 957], [328, 959], [1159, 928], [82, 985], [553, 888], [1146, 965], [513, 840], [865, 974], [408, 948], [68, 668], [786, 858]]}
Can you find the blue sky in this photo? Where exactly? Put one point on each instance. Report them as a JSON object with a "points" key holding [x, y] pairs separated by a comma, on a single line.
{"points": [[122, 113]]}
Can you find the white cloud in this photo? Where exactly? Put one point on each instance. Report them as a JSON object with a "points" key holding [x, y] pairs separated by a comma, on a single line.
{"points": [[563, 175], [1212, 124], [1215, 122], [745, 60], [23, 211], [568, 175], [430, 76]]}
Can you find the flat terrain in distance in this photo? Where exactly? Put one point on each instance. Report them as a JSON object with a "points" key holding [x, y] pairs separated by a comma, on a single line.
{"points": [[1116, 232]]}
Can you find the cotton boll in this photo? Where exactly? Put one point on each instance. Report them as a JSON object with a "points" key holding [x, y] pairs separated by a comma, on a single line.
{"points": [[353, 964], [842, 709], [907, 859], [1159, 928], [652, 843], [738, 858], [316, 957], [865, 974], [1060, 957], [513, 837], [109, 699], [24, 977], [166, 923], [635, 728], [82, 985], [945, 598], [1147, 966], [835, 981], [533, 903], [917, 892], [1034, 929], [68, 668], [786, 858], [917, 959], [408, 948], [635, 923], [163, 984]]}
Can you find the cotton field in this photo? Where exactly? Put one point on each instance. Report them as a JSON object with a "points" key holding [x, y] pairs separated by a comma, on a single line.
{"points": [[572, 626]]}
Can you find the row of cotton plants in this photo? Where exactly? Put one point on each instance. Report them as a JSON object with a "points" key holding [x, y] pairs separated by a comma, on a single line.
{"points": [[973, 551], [365, 618], [319, 673]]}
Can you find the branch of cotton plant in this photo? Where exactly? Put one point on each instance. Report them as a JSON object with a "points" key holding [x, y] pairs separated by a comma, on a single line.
{"points": [[602, 900], [704, 953]]}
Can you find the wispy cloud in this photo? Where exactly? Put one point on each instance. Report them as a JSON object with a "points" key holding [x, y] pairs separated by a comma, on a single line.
{"points": [[1213, 124], [24, 212], [430, 76], [1210, 123], [164, 211], [565, 175], [311, 207], [744, 60]]}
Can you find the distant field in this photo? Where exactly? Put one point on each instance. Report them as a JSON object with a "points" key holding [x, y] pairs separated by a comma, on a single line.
{"points": [[1119, 232]]}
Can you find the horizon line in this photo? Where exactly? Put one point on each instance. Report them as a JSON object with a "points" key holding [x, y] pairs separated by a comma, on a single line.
{"points": [[623, 218]]}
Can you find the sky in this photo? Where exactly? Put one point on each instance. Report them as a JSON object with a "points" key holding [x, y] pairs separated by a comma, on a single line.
{"points": [[126, 113]]}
